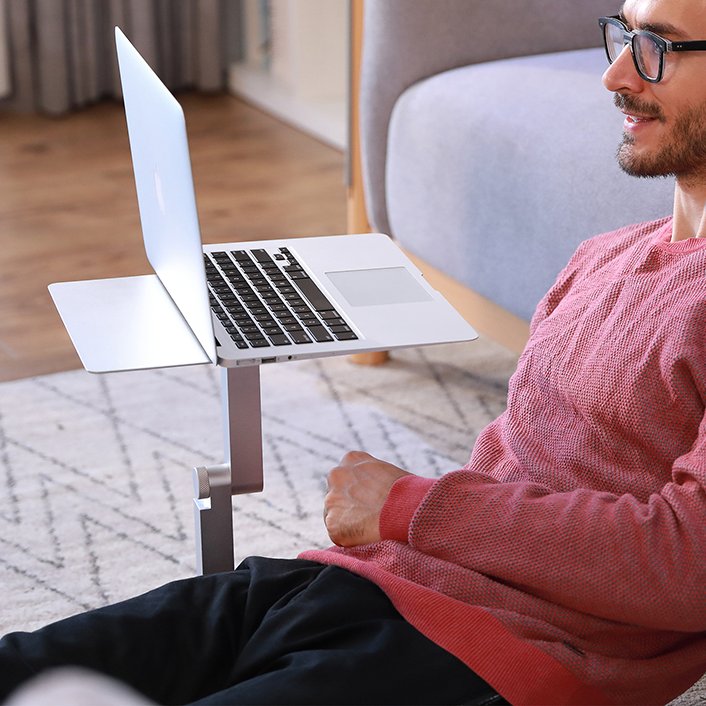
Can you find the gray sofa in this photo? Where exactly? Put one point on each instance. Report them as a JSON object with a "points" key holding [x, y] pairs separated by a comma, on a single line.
{"points": [[488, 139]]}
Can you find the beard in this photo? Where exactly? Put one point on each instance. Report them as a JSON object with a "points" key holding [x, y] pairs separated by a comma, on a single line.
{"points": [[683, 155]]}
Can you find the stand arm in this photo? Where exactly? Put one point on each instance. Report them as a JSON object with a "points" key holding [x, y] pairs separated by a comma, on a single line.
{"points": [[241, 473], [242, 427]]}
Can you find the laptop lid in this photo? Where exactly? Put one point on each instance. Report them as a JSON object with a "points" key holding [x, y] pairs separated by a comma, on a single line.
{"points": [[165, 190]]}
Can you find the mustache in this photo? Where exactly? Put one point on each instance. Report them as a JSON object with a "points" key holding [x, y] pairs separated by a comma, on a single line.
{"points": [[633, 105]]}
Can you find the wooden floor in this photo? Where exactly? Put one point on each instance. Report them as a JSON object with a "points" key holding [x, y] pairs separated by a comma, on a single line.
{"points": [[68, 208]]}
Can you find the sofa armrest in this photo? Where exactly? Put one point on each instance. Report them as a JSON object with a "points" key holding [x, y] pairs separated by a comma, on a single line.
{"points": [[405, 41]]}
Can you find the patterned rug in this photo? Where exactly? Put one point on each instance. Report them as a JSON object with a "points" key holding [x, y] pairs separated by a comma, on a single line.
{"points": [[95, 471]]}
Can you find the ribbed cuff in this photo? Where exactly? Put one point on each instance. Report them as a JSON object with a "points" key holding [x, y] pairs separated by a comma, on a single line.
{"points": [[402, 502]]}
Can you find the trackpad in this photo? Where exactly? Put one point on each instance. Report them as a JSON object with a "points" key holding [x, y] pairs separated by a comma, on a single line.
{"points": [[383, 285]]}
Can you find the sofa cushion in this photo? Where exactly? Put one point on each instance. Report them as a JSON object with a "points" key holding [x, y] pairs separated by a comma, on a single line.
{"points": [[497, 171]]}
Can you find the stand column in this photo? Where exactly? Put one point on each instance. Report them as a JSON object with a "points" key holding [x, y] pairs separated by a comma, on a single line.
{"points": [[241, 473]]}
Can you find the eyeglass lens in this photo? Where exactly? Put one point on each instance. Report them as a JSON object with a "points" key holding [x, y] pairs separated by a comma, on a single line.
{"points": [[645, 50], [648, 55]]}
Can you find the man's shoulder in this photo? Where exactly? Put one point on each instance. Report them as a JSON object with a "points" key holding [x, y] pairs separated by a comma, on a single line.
{"points": [[605, 247], [611, 247], [629, 234], [597, 254]]}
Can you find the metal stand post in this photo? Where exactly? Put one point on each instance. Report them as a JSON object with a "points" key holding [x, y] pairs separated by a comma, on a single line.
{"points": [[241, 472]]}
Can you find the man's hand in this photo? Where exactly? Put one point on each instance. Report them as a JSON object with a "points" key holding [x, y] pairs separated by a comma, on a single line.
{"points": [[357, 490]]}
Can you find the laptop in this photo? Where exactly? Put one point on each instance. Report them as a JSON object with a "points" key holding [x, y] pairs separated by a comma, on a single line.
{"points": [[237, 303]]}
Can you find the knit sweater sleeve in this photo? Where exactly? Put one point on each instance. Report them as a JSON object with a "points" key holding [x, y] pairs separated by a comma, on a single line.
{"points": [[606, 555]]}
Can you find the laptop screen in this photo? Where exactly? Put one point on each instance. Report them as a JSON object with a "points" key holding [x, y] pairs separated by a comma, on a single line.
{"points": [[165, 190]]}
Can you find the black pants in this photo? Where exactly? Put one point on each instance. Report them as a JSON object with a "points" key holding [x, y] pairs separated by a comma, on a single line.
{"points": [[271, 632]]}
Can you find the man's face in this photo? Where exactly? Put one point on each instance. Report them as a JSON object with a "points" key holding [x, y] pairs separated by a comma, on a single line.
{"points": [[664, 132]]}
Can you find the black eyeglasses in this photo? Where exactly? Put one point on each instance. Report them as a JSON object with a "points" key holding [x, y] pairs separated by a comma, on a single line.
{"points": [[647, 48]]}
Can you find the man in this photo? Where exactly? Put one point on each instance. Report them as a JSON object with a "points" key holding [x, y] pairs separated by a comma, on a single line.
{"points": [[565, 562]]}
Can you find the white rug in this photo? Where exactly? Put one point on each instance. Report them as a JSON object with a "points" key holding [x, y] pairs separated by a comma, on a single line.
{"points": [[95, 471]]}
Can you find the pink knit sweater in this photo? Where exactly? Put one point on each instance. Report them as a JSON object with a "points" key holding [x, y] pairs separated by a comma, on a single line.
{"points": [[566, 562]]}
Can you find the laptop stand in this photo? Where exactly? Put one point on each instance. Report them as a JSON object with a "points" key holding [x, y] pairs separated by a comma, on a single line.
{"points": [[241, 472], [131, 323]]}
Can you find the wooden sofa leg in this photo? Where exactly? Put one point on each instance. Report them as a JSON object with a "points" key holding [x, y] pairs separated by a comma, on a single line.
{"points": [[374, 358], [357, 216]]}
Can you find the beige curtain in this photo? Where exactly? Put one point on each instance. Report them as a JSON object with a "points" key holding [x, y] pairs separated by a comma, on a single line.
{"points": [[62, 52]]}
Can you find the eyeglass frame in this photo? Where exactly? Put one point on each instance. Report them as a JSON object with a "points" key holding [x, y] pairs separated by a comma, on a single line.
{"points": [[663, 45]]}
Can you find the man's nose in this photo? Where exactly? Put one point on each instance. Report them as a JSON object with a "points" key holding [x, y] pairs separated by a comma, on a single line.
{"points": [[621, 76]]}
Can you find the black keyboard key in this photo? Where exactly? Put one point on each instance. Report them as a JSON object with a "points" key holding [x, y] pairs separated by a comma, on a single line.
{"points": [[237, 338], [246, 327], [319, 333], [300, 336], [301, 308], [346, 336], [256, 340], [262, 256], [279, 339], [313, 294]]}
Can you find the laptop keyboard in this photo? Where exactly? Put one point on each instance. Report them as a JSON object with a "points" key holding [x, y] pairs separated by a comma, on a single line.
{"points": [[264, 301]]}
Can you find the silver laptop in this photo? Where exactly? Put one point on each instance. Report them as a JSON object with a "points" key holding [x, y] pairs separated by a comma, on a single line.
{"points": [[239, 303]]}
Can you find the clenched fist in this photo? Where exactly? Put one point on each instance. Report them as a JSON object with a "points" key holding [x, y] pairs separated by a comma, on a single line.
{"points": [[357, 489]]}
